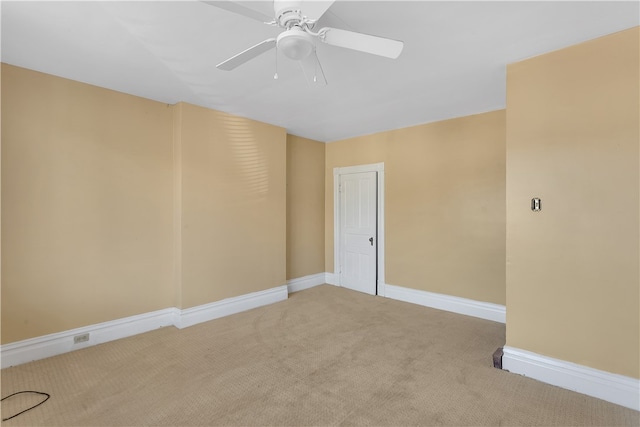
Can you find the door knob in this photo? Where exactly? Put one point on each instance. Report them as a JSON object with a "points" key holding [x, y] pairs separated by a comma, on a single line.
{"points": [[371, 240]]}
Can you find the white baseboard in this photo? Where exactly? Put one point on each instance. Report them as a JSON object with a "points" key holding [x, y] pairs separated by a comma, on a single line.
{"points": [[331, 279], [618, 389], [38, 348], [20, 352], [306, 282], [226, 307], [469, 307], [382, 289]]}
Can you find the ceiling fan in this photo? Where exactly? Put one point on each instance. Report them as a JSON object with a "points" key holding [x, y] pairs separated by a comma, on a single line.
{"points": [[297, 41]]}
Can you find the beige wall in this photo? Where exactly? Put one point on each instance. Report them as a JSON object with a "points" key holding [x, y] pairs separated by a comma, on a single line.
{"points": [[86, 205], [573, 140], [233, 203], [113, 205], [445, 204], [305, 207]]}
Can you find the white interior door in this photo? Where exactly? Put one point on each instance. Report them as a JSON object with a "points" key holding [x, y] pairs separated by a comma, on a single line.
{"points": [[358, 225]]}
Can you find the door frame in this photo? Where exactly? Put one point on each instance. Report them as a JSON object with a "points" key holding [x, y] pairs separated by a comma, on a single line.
{"points": [[374, 167]]}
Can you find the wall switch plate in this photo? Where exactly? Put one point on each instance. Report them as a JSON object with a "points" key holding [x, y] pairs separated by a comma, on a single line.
{"points": [[536, 204]]}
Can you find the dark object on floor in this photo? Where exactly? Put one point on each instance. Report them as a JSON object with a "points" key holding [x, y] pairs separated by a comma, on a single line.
{"points": [[497, 358]]}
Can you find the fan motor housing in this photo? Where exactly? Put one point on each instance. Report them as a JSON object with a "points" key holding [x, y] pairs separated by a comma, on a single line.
{"points": [[281, 7]]}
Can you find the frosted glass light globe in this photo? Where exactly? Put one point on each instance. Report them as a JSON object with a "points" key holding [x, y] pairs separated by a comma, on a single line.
{"points": [[295, 43]]}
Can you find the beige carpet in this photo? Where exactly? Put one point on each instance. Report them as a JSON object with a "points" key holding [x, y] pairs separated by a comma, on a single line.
{"points": [[326, 356]]}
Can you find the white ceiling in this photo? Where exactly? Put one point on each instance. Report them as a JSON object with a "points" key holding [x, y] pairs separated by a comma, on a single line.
{"points": [[453, 63]]}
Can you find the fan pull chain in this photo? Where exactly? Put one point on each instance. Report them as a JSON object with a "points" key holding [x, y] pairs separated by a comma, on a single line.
{"points": [[275, 76]]}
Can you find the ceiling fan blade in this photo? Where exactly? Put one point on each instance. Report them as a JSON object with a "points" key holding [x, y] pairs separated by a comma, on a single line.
{"points": [[314, 9], [313, 70], [362, 42], [247, 55], [237, 7]]}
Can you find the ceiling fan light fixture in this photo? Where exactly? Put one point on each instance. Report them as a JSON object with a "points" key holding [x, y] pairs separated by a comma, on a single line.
{"points": [[295, 43]]}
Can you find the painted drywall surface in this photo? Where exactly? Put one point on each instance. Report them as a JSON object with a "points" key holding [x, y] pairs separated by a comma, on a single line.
{"points": [[86, 205], [444, 207], [233, 229], [305, 207], [573, 140]]}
